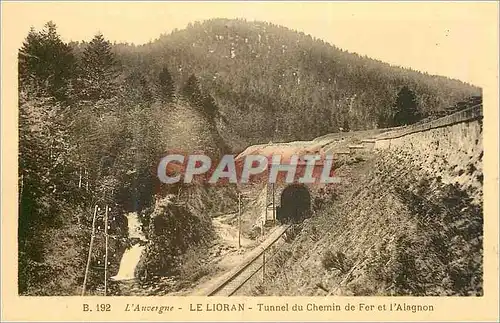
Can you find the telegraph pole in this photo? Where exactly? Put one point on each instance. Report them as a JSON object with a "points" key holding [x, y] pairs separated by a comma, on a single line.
{"points": [[268, 199], [239, 219], [263, 266], [90, 251], [274, 206], [106, 254]]}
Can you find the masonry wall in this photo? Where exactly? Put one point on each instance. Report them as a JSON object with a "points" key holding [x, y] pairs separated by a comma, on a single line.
{"points": [[450, 148]]}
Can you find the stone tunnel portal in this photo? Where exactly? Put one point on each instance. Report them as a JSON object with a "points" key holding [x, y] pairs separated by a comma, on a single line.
{"points": [[295, 204]]}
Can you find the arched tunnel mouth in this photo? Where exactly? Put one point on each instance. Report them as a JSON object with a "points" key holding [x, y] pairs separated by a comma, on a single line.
{"points": [[295, 204]]}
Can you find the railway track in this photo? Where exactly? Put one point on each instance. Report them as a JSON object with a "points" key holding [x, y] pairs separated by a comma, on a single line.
{"points": [[236, 278]]}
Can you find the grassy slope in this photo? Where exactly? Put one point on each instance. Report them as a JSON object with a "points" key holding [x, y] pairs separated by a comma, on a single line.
{"points": [[383, 232]]}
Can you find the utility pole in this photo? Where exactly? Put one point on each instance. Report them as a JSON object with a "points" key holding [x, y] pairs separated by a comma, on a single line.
{"points": [[90, 252], [274, 205], [106, 254], [239, 219], [263, 266], [267, 199]]}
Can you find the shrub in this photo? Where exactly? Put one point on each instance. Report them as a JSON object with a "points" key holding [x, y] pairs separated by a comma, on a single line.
{"points": [[336, 261]]}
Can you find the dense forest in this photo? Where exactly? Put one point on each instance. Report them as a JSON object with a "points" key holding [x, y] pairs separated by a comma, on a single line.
{"points": [[90, 136], [273, 83], [95, 117]]}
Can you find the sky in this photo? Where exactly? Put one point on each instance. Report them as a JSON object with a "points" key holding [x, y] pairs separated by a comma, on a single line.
{"points": [[439, 38]]}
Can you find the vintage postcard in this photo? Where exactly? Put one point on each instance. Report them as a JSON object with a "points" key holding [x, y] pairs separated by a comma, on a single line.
{"points": [[250, 161]]}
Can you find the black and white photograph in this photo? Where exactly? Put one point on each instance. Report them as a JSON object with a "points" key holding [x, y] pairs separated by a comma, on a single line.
{"points": [[250, 149]]}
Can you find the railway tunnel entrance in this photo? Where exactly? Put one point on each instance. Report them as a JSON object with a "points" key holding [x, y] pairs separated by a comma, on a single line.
{"points": [[295, 204]]}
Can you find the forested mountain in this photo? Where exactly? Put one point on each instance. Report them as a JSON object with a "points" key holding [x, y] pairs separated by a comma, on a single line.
{"points": [[91, 133], [273, 83], [95, 117]]}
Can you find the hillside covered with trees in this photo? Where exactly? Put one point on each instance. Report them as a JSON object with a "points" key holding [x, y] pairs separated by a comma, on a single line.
{"points": [[90, 136], [95, 117], [273, 83]]}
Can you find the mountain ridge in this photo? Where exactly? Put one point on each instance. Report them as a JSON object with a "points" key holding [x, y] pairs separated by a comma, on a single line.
{"points": [[273, 83]]}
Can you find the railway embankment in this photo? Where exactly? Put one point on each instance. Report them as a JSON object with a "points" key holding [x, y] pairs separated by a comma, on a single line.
{"points": [[407, 220]]}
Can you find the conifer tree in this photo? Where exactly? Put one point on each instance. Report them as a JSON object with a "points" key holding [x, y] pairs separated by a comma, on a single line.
{"points": [[138, 89], [166, 86], [406, 107], [346, 126], [192, 92], [203, 102], [46, 63], [99, 70]]}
